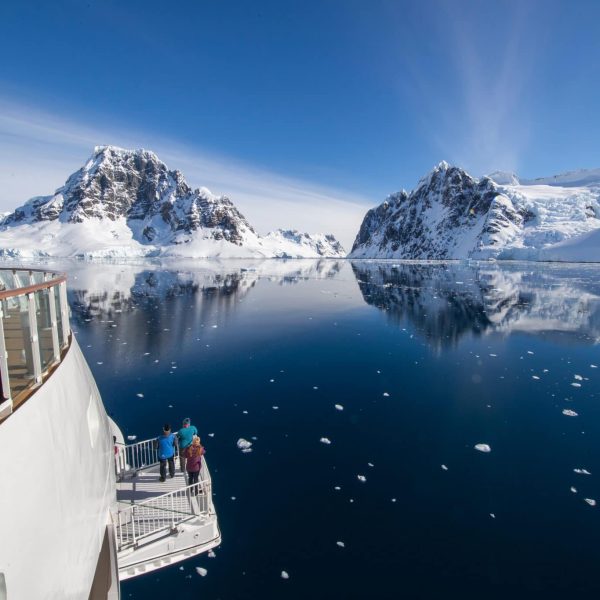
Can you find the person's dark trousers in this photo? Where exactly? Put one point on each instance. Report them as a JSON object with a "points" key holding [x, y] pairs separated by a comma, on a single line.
{"points": [[163, 467], [192, 479]]}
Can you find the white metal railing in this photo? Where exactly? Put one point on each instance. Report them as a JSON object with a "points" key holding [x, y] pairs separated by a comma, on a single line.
{"points": [[162, 513], [130, 458]]}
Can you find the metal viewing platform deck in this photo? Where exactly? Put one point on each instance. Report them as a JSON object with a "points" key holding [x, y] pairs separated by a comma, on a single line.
{"points": [[158, 523]]}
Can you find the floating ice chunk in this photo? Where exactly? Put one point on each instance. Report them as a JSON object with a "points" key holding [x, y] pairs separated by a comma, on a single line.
{"points": [[578, 377], [315, 387], [581, 471], [243, 444], [99, 363], [444, 468], [493, 355], [140, 395], [393, 499], [325, 440], [233, 497], [181, 568], [594, 366], [211, 435], [337, 488], [569, 413], [201, 571], [132, 437], [529, 352], [492, 514], [590, 501], [271, 381], [574, 489], [275, 407], [146, 353], [371, 464], [578, 385], [482, 447], [361, 478], [534, 377], [386, 394], [211, 554], [246, 450], [341, 544], [339, 407], [245, 412], [285, 575], [214, 326]]}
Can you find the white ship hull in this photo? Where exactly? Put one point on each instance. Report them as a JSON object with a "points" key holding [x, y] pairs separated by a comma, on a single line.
{"points": [[58, 486]]}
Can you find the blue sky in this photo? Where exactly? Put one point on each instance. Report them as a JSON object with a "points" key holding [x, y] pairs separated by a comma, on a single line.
{"points": [[298, 108]]}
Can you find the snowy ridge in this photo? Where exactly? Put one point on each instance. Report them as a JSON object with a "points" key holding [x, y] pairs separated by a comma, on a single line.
{"points": [[451, 215], [126, 203]]}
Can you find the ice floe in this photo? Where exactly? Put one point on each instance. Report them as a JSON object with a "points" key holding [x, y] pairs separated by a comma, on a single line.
{"points": [[581, 471], [590, 501], [131, 438], [244, 445], [361, 478], [140, 395], [211, 554], [577, 385], [325, 440], [569, 413], [285, 575], [341, 544], [482, 447], [386, 394], [201, 571], [444, 468], [339, 407], [574, 489]]}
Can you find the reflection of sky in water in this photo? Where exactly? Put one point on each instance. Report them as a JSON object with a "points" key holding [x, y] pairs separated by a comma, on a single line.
{"points": [[467, 355]]}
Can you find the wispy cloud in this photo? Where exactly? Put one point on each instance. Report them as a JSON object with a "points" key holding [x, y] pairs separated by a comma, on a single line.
{"points": [[476, 109], [38, 151]]}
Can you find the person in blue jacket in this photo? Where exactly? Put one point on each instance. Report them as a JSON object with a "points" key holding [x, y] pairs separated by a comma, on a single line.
{"points": [[185, 436], [166, 452]]}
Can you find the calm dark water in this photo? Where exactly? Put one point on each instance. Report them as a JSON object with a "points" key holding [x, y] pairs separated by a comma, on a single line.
{"points": [[426, 360]]}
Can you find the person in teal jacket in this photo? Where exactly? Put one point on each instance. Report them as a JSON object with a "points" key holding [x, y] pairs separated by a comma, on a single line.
{"points": [[185, 436], [166, 452]]}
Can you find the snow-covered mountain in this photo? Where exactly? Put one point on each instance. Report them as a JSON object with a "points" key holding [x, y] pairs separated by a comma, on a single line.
{"points": [[125, 203], [293, 244], [451, 215]]}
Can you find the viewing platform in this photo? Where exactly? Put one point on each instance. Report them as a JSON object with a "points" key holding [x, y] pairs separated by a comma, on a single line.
{"points": [[159, 523]]}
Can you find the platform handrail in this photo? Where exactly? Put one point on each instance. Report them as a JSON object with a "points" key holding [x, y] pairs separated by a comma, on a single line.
{"points": [[162, 513], [130, 458]]}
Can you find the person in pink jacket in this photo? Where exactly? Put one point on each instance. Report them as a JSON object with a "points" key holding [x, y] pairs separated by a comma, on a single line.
{"points": [[193, 455]]}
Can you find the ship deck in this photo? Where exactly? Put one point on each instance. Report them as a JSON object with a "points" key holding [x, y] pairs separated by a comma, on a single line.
{"points": [[162, 522], [146, 484]]}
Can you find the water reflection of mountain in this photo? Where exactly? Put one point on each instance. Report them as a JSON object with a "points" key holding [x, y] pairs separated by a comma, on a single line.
{"points": [[447, 301]]}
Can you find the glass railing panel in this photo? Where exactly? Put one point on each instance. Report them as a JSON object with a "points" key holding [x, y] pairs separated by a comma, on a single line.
{"points": [[55, 297], [44, 327], [17, 335]]}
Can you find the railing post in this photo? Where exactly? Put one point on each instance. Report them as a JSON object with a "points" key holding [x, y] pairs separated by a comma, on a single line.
{"points": [[34, 339], [6, 400], [64, 311], [54, 324]]}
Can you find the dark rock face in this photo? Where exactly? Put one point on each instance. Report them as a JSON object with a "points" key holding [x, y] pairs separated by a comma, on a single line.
{"points": [[432, 221]]}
